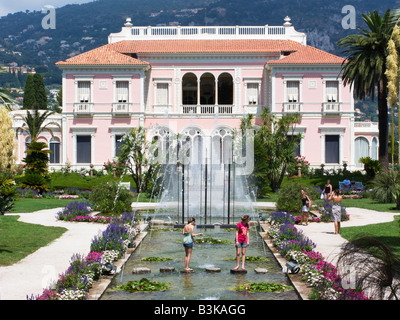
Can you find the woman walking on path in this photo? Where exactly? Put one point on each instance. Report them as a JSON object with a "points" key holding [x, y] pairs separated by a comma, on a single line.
{"points": [[336, 209], [306, 204], [242, 240], [187, 231]]}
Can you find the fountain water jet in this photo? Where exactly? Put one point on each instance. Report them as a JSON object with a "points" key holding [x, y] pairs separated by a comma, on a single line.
{"points": [[202, 178]]}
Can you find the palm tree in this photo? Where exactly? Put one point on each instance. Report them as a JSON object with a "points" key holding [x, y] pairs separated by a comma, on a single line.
{"points": [[34, 123], [6, 99], [365, 68]]}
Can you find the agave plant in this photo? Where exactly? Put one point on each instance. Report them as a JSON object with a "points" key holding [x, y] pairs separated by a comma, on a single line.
{"points": [[386, 187]]}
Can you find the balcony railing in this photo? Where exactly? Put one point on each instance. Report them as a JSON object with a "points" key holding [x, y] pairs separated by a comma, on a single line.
{"points": [[83, 108], [331, 107], [121, 107], [207, 109], [292, 107]]}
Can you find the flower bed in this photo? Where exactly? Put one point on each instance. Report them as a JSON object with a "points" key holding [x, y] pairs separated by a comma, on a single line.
{"points": [[75, 282], [322, 276], [73, 210]]}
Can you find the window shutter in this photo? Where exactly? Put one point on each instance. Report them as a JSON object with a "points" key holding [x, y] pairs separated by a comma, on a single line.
{"points": [[84, 91], [293, 91], [252, 93], [332, 91], [162, 94], [122, 91]]}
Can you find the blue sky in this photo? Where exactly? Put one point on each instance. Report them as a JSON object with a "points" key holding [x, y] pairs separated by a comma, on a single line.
{"points": [[7, 6]]}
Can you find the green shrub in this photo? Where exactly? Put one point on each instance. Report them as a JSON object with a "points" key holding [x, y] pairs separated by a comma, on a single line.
{"points": [[104, 198], [289, 197], [7, 193], [36, 167], [35, 181], [61, 181], [371, 167], [386, 187]]}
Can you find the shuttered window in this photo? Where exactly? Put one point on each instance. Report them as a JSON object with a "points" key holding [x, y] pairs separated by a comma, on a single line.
{"points": [[332, 91], [293, 91], [162, 94], [84, 91], [122, 91], [252, 93]]}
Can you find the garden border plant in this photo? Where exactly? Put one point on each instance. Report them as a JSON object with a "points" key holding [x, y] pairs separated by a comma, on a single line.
{"points": [[322, 276], [78, 279]]}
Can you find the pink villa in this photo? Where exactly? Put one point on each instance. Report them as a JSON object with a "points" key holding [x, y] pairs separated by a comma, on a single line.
{"points": [[201, 81]]}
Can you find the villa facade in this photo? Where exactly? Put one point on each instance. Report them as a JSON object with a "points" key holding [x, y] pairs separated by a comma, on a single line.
{"points": [[201, 81]]}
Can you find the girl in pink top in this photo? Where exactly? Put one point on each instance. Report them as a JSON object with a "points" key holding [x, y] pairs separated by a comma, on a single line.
{"points": [[242, 240]]}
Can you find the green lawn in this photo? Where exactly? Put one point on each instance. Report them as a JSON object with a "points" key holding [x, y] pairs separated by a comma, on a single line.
{"points": [[23, 205], [388, 233], [368, 203], [19, 239]]}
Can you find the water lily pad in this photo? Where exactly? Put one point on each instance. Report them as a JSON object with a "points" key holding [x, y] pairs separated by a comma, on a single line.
{"points": [[263, 287], [155, 259], [143, 285]]}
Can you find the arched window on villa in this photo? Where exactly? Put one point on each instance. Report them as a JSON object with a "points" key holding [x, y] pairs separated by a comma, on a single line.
{"points": [[55, 150], [222, 146], [361, 150], [207, 89], [374, 149], [225, 89], [161, 145], [189, 89]]}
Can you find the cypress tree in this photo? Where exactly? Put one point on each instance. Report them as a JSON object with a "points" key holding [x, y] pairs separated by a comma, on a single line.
{"points": [[40, 91], [29, 93]]}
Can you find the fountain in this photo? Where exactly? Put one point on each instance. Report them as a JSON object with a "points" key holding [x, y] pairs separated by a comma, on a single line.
{"points": [[203, 177]]}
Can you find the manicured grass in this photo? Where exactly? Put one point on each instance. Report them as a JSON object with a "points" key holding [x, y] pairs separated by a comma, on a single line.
{"points": [[388, 233], [19, 239], [368, 203], [23, 205]]}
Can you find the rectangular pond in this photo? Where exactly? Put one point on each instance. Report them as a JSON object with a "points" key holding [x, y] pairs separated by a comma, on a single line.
{"points": [[166, 242]]}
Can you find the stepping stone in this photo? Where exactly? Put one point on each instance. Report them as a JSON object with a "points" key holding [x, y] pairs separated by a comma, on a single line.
{"points": [[261, 270], [167, 269], [141, 270], [213, 270], [187, 271], [239, 271]]}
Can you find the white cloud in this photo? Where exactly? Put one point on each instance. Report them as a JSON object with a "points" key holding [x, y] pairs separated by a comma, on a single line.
{"points": [[7, 6]]}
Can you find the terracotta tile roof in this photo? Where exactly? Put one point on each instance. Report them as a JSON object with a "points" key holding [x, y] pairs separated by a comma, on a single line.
{"points": [[118, 53], [104, 55], [309, 55], [205, 46]]}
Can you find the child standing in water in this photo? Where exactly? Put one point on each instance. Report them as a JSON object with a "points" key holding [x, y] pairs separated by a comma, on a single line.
{"points": [[188, 241], [242, 240]]}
